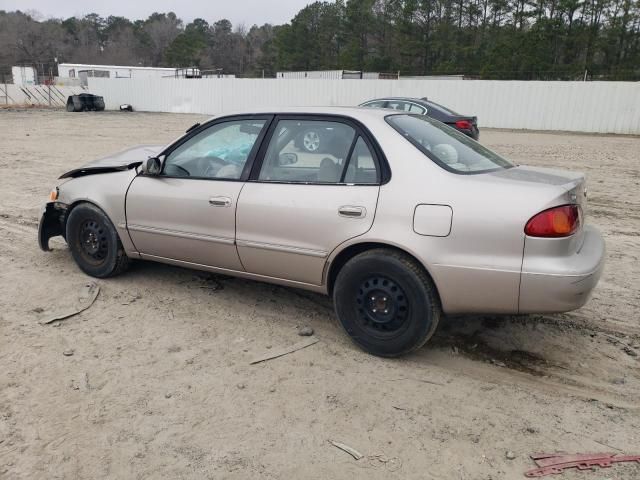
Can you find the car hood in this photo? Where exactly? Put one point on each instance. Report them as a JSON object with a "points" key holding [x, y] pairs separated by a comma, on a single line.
{"points": [[123, 160]]}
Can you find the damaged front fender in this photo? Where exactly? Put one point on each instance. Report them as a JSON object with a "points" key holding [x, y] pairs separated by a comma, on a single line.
{"points": [[51, 223]]}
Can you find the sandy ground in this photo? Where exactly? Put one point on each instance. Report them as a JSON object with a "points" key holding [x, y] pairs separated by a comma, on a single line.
{"points": [[159, 384]]}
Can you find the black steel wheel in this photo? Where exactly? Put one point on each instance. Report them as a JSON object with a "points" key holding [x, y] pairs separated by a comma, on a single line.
{"points": [[94, 245], [382, 305], [94, 242], [386, 302]]}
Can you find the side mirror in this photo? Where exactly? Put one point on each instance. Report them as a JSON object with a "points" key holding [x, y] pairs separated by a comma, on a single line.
{"points": [[287, 159], [153, 166]]}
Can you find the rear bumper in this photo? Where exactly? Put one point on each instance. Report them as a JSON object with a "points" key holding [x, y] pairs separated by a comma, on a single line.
{"points": [[565, 283], [51, 223]]}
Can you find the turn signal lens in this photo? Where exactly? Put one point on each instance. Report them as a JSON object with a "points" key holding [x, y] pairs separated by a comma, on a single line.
{"points": [[556, 222], [53, 196]]}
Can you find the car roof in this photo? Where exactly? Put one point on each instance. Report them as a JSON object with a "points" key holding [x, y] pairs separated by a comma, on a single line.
{"points": [[409, 99], [358, 113]]}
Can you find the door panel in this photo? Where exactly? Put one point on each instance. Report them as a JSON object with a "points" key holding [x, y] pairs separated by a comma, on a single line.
{"points": [[187, 212], [288, 230], [184, 219]]}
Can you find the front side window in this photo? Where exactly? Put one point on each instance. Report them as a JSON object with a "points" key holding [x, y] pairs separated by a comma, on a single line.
{"points": [[219, 152], [449, 148], [314, 151]]}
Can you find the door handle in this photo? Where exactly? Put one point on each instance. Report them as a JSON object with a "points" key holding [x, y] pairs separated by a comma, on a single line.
{"points": [[220, 201], [352, 212]]}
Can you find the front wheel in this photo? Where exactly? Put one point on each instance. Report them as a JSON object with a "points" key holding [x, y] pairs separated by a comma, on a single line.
{"points": [[94, 242], [386, 302]]}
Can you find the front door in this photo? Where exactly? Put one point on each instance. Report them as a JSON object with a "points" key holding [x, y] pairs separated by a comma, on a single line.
{"points": [[187, 213], [306, 199]]}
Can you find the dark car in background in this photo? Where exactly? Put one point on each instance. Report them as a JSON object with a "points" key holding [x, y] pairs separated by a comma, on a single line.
{"points": [[422, 106], [85, 102]]}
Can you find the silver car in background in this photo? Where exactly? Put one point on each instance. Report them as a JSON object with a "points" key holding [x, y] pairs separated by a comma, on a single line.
{"points": [[398, 217]]}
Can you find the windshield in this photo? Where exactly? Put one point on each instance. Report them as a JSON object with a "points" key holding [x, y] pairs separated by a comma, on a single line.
{"points": [[449, 148]]}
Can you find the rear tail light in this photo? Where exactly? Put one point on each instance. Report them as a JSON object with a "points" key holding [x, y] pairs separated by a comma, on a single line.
{"points": [[464, 124], [555, 222]]}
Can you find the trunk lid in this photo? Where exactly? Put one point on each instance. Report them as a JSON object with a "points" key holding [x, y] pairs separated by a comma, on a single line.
{"points": [[572, 186]]}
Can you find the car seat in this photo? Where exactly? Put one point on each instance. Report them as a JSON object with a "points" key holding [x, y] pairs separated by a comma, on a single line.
{"points": [[329, 171]]}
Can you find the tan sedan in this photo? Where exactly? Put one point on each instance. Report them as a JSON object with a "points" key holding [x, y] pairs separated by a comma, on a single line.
{"points": [[397, 216]]}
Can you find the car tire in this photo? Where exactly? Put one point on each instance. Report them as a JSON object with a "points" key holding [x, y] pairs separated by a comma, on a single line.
{"points": [[94, 242], [311, 141], [386, 302]]}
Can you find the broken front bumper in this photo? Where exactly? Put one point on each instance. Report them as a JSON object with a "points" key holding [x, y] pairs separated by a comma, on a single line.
{"points": [[51, 223]]}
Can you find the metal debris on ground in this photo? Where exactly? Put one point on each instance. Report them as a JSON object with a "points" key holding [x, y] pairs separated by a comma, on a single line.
{"points": [[555, 463], [89, 292], [279, 352], [346, 448]]}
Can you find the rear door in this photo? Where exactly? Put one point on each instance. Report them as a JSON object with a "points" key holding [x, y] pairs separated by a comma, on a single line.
{"points": [[298, 206]]}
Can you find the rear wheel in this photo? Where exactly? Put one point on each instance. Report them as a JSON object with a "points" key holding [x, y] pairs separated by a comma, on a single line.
{"points": [[94, 242], [386, 302]]}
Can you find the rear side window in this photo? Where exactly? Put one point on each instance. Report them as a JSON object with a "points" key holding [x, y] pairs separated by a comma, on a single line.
{"points": [[398, 105], [314, 151], [362, 167], [413, 108], [376, 104], [449, 148]]}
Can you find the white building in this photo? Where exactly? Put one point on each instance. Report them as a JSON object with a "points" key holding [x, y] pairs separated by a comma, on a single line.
{"points": [[23, 75], [82, 71]]}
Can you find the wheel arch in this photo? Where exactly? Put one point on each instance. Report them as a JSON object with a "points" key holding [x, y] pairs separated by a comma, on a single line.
{"points": [[123, 234], [79, 202], [348, 252]]}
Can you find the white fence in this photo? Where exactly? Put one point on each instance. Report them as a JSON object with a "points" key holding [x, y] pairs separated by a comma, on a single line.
{"points": [[603, 107], [36, 95]]}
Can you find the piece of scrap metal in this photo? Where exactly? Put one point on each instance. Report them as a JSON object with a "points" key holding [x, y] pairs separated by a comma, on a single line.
{"points": [[88, 295], [556, 463], [347, 449]]}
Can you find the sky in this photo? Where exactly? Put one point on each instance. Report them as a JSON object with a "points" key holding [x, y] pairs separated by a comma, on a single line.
{"points": [[248, 12]]}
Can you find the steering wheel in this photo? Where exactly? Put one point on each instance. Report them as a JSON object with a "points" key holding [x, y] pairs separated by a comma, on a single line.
{"points": [[209, 166]]}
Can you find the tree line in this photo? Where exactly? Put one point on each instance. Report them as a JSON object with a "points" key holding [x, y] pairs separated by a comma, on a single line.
{"points": [[493, 39]]}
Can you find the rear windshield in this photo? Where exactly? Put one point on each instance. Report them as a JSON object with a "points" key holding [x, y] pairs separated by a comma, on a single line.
{"points": [[446, 110], [450, 149]]}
